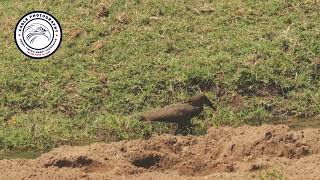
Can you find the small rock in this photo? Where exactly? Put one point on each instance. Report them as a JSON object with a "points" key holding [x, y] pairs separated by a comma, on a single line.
{"points": [[154, 18], [256, 166], [193, 10], [103, 12], [122, 18], [207, 8], [98, 45], [74, 33]]}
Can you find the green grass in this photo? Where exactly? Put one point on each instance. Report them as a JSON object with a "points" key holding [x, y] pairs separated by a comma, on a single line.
{"points": [[271, 174], [266, 53]]}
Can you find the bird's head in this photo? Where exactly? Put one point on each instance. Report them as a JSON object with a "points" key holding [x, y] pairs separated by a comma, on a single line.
{"points": [[200, 100], [42, 31]]}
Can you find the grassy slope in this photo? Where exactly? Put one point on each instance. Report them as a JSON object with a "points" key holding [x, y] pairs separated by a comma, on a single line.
{"points": [[258, 58]]}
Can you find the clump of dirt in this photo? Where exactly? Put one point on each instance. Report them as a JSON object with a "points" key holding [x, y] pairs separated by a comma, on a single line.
{"points": [[224, 152], [122, 18], [102, 12], [79, 161]]}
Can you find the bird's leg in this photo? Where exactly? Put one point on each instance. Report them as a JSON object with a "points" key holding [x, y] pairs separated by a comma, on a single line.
{"points": [[184, 128], [173, 128]]}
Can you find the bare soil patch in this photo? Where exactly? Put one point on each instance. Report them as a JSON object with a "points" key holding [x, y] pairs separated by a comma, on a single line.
{"points": [[225, 152]]}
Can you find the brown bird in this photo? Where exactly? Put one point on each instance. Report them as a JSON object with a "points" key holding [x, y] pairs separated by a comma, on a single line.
{"points": [[180, 114]]}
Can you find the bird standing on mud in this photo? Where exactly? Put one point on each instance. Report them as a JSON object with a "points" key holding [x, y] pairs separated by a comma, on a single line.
{"points": [[179, 114]]}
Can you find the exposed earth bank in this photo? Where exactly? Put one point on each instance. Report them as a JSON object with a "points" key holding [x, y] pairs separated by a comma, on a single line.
{"points": [[224, 153]]}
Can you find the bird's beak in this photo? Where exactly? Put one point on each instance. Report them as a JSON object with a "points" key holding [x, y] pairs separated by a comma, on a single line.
{"points": [[210, 104], [47, 35]]}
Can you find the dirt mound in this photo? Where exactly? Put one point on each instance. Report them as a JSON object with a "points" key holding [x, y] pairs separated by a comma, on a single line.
{"points": [[223, 153]]}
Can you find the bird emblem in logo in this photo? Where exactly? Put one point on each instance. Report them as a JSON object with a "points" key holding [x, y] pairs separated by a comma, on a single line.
{"points": [[37, 32]]}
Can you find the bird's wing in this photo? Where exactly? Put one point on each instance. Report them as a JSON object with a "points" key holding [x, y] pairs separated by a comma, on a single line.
{"points": [[172, 113]]}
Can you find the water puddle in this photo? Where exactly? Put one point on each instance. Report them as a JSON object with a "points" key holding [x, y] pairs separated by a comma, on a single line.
{"points": [[19, 154], [30, 154], [298, 123]]}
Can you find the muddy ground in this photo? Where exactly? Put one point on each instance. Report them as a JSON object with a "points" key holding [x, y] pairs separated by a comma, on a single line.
{"points": [[246, 152]]}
